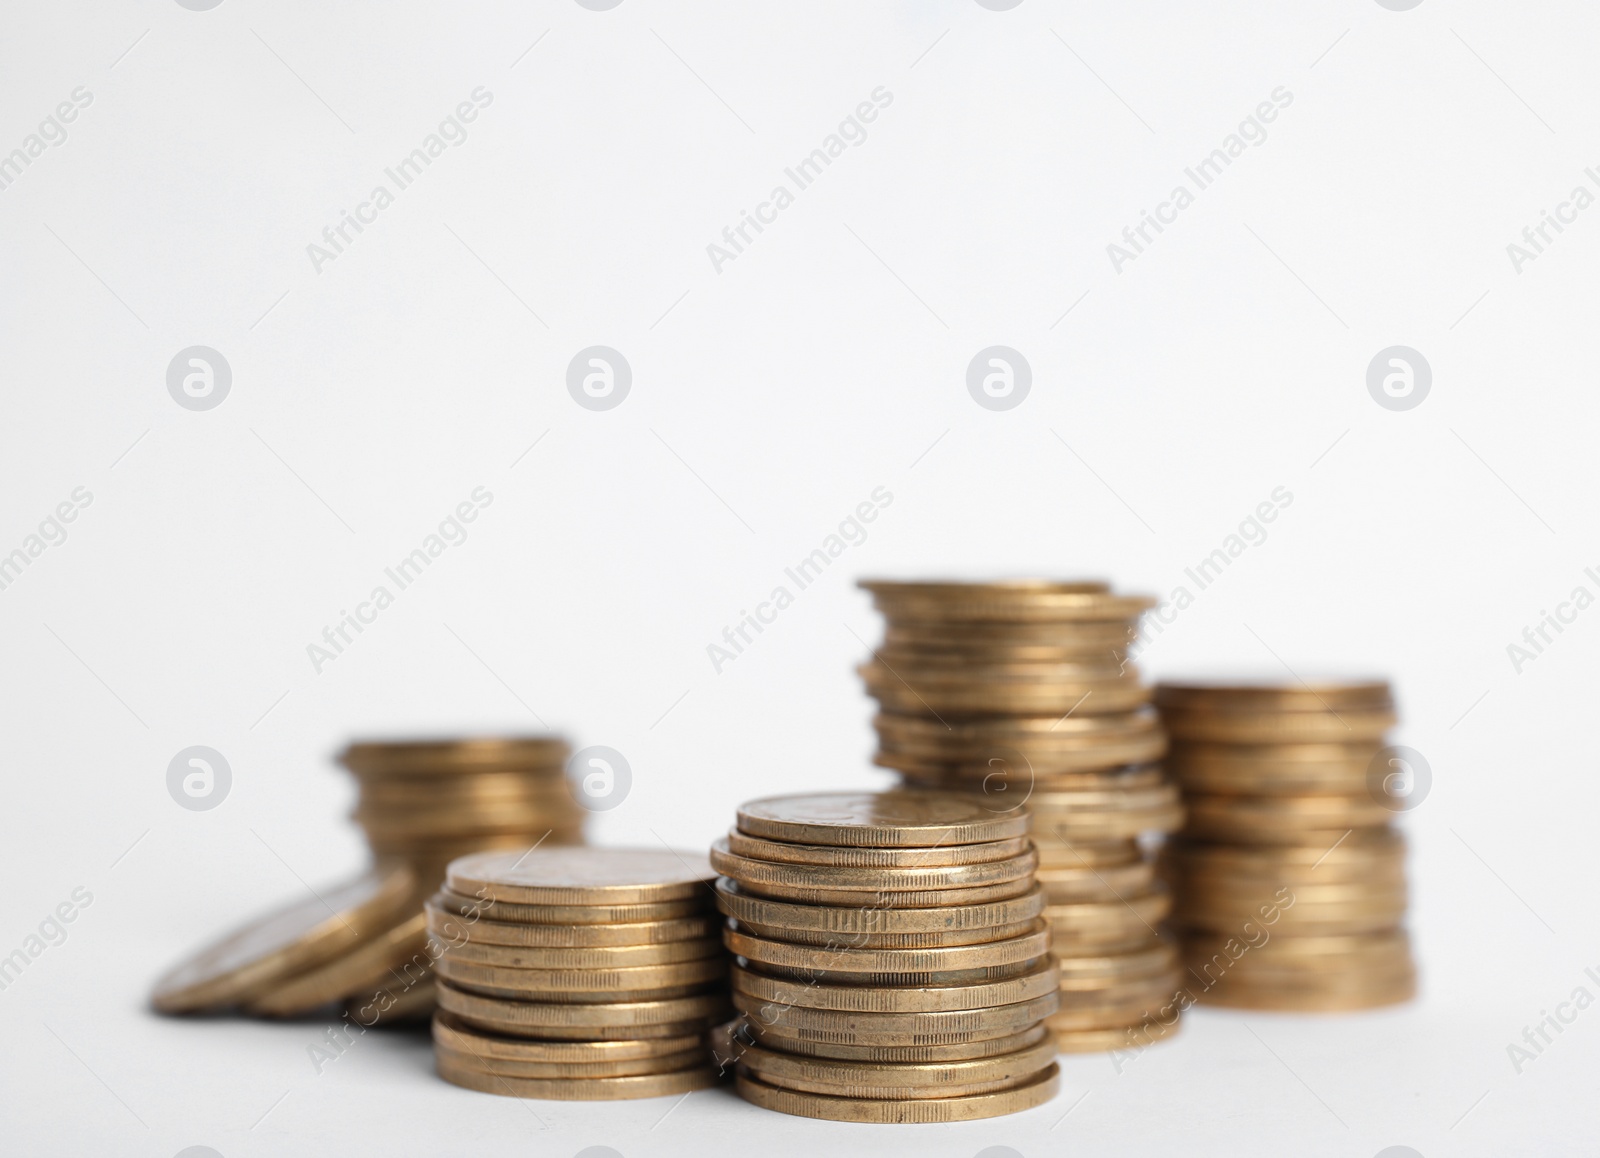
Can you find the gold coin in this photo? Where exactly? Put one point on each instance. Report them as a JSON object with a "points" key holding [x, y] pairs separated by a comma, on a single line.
{"points": [[958, 1109], [494, 786], [249, 961], [393, 1004], [1114, 968], [430, 758], [598, 1021], [634, 1067], [1275, 696], [878, 819], [582, 876], [1390, 991], [927, 1079], [1268, 770], [511, 912], [1011, 951], [575, 1089], [933, 939], [738, 904], [1248, 814], [453, 927], [974, 741], [958, 1051], [939, 856], [900, 900], [755, 875], [1055, 853], [1120, 1037], [363, 968], [1010, 602], [1071, 885], [940, 1027], [1106, 923], [450, 1032], [1359, 849], [594, 957], [1038, 981], [553, 984], [1085, 636], [885, 1093], [1332, 952], [921, 691], [1058, 820], [1347, 726]]}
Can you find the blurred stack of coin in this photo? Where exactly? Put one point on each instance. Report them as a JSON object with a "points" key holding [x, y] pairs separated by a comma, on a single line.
{"points": [[1024, 692], [891, 961], [1289, 878], [578, 974], [364, 943]]}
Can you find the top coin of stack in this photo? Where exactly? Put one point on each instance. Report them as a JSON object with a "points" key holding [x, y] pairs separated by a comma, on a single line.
{"points": [[1024, 691], [1289, 879], [579, 974], [891, 963]]}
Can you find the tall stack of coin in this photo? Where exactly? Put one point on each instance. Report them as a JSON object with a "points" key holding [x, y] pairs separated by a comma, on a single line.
{"points": [[421, 804], [1289, 877], [578, 974], [1024, 692], [891, 963]]}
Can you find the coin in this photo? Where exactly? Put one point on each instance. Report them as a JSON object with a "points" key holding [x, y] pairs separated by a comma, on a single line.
{"points": [[1275, 696], [433, 757], [1113, 921], [1010, 951], [1273, 769], [581, 876], [916, 1079], [1014, 601], [1112, 968], [453, 1033], [594, 1021], [903, 900], [571, 1071], [932, 939], [1343, 727], [1117, 1038], [738, 904], [452, 926], [591, 957], [849, 1027], [547, 984], [249, 961], [1038, 981], [1054, 852], [1069, 885], [962, 1109], [1085, 636], [958, 1051], [1017, 693], [940, 856], [362, 968], [575, 1089], [878, 819], [513, 913], [756, 875]]}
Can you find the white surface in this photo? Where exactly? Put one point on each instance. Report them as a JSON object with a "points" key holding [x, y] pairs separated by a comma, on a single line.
{"points": [[784, 388]]}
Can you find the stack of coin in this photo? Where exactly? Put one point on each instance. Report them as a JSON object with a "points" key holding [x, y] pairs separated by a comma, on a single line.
{"points": [[1024, 692], [578, 974], [891, 964], [365, 943], [1289, 878]]}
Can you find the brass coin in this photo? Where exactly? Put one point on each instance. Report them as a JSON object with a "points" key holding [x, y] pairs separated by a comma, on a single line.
{"points": [[511, 912], [885, 1093], [1220, 815], [1111, 969], [1107, 922], [575, 1089], [1329, 952], [1056, 853], [847, 1027], [593, 957], [435, 757], [571, 1071], [899, 900], [581, 876], [595, 1021], [767, 952], [1269, 770], [1013, 601], [1086, 636], [452, 927], [1071, 885], [756, 875], [249, 961], [920, 691], [489, 786], [935, 978], [568, 984], [954, 1109], [450, 1032], [363, 968], [974, 741], [738, 904], [1391, 991], [938, 856], [1120, 1037], [933, 939], [959, 1051], [1347, 726], [1038, 981], [797, 1071], [878, 819], [1357, 849], [1275, 696]]}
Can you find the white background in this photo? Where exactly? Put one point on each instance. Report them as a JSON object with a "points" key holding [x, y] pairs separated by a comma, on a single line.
{"points": [[768, 399]]}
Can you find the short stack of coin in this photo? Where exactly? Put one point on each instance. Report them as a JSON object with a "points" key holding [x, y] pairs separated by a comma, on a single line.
{"points": [[1289, 877], [891, 963], [579, 974], [364, 943], [1024, 691]]}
